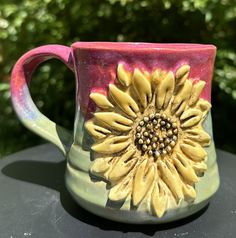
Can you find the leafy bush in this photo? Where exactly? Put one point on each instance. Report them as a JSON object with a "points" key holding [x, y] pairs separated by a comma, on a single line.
{"points": [[26, 24]]}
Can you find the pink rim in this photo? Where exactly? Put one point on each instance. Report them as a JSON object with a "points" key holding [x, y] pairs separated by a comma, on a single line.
{"points": [[142, 46]]}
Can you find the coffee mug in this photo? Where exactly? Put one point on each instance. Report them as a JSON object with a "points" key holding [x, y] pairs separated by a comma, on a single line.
{"points": [[142, 149]]}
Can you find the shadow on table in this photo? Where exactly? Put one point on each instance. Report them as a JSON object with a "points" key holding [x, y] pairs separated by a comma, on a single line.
{"points": [[51, 175]]}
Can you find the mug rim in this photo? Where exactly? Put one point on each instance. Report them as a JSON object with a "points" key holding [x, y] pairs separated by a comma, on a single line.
{"points": [[141, 46]]}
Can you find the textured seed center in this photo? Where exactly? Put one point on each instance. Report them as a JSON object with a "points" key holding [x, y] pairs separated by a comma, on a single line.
{"points": [[156, 135]]}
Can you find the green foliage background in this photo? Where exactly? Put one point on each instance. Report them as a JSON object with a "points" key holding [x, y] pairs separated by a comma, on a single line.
{"points": [[26, 24]]}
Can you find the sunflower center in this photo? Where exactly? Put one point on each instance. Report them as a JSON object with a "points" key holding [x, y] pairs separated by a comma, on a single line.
{"points": [[156, 135]]}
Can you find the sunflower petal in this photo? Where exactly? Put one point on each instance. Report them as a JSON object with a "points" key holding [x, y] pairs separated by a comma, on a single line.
{"points": [[204, 106], [196, 91], [101, 100], [198, 135], [120, 191], [171, 178], [111, 145], [189, 192], [123, 101], [190, 117], [123, 166], [182, 74], [165, 90], [124, 76], [114, 120], [185, 168], [96, 131], [143, 180], [156, 77], [101, 165], [180, 100], [199, 167], [147, 75], [159, 200], [193, 150], [142, 87]]}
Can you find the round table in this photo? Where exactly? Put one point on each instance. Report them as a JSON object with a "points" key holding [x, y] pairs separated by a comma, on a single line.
{"points": [[35, 203]]}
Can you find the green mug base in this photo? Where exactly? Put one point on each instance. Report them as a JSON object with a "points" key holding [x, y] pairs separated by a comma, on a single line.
{"points": [[92, 194], [93, 197]]}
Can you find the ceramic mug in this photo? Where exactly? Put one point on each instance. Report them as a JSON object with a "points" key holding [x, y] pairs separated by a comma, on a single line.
{"points": [[142, 149]]}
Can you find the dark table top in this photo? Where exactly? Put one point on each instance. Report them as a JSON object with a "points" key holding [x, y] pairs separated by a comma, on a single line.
{"points": [[35, 203]]}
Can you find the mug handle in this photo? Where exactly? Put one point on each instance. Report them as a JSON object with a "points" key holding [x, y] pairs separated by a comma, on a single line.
{"points": [[23, 104]]}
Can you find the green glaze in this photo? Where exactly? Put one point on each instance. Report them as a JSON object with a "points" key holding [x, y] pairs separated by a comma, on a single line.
{"points": [[92, 194], [94, 65]]}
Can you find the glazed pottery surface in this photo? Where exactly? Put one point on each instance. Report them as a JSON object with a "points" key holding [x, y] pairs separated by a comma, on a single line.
{"points": [[142, 148]]}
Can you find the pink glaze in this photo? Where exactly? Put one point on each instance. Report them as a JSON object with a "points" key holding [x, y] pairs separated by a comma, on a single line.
{"points": [[22, 72], [96, 64]]}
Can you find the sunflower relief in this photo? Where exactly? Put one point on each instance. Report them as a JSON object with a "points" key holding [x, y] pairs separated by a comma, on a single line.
{"points": [[148, 138]]}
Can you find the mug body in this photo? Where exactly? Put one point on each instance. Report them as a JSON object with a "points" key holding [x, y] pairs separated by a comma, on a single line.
{"points": [[143, 149]]}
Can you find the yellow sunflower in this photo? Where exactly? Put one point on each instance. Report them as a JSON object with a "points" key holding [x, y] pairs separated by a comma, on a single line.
{"points": [[149, 139]]}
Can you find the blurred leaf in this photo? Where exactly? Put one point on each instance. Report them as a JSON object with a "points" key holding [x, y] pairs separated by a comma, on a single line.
{"points": [[27, 24], [4, 87]]}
